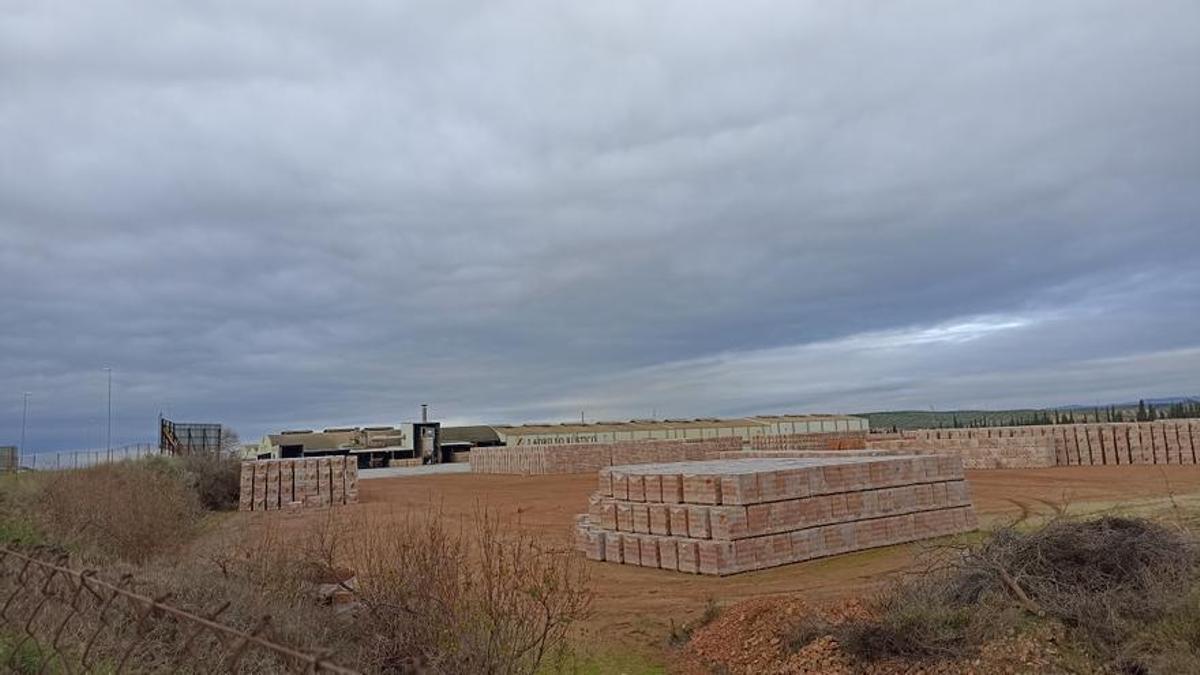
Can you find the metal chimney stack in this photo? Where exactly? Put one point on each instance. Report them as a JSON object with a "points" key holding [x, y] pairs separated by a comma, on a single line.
{"points": [[424, 412]]}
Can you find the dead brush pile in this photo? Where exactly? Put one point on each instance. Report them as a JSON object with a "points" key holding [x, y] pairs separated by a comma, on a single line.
{"points": [[1108, 582], [1100, 595]]}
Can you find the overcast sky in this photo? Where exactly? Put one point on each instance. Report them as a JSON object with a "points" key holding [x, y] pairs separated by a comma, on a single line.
{"points": [[282, 214]]}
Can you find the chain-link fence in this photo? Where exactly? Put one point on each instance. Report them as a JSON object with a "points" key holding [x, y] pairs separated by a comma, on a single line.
{"points": [[81, 459], [56, 619]]}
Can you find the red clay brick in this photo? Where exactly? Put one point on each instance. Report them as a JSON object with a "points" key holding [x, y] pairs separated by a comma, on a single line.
{"points": [[660, 519], [689, 557], [641, 518], [679, 520], [698, 526]]}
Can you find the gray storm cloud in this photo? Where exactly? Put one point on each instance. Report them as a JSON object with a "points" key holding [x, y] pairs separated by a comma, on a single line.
{"points": [[271, 215]]}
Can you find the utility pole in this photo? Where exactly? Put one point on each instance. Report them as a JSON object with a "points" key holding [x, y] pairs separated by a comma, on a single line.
{"points": [[108, 442], [24, 415]]}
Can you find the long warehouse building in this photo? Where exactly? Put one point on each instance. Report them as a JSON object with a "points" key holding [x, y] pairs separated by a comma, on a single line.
{"points": [[377, 445]]}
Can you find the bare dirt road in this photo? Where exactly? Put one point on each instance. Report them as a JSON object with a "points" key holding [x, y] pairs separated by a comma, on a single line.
{"points": [[635, 606]]}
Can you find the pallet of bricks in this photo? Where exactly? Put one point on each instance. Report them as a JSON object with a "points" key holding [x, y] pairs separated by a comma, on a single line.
{"points": [[1115, 443], [539, 460], [1019, 452], [830, 440], [1162, 442], [292, 484], [727, 516]]}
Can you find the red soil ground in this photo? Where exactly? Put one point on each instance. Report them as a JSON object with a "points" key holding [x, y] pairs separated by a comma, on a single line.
{"points": [[634, 607]]}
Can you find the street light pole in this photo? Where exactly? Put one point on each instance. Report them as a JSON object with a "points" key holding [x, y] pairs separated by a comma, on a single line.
{"points": [[24, 415], [108, 443]]}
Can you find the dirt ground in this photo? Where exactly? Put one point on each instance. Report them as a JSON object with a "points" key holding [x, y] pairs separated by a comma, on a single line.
{"points": [[634, 606]]}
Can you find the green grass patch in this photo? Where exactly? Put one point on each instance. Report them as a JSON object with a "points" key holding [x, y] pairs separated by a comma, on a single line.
{"points": [[605, 662], [23, 657]]}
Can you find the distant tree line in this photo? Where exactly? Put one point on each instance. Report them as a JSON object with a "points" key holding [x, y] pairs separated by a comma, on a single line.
{"points": [[1145, 412]]}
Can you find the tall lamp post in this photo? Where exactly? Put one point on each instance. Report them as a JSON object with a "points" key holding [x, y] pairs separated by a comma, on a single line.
{"points": [[24, 415], [108, 440]]}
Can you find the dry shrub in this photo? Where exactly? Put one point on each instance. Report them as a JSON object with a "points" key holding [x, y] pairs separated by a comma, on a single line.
{"points": [[681, 635], [1105, 579], [1106, 576], [921, 619], [216, 479], [128, 510], [479, 597]]}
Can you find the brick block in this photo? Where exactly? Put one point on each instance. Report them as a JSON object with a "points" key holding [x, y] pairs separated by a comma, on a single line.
{"points": [[746, 554], [871, 533], [839, 538], [649, 551], [701, 489], [941, 494], [672, 488], [653, 487], [631, 548], [786, 515], [637, 488], [660, 519], [608, 515], [924, 496], [613, 550], [740, 488], [716, 557], [620, 485], [689, 556], [815, 511], [806, 544], [698, 525], [624, 516], [679, 520], [758, 519], [771, 486], [778, 549], [605, 483], [838, 507], [668, 553], [594, 545], [798, 483], [729, 522], [641, 518]]}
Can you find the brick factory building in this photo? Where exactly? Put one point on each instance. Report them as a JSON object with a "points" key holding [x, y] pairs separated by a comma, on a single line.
{"points": [[377, 445]]}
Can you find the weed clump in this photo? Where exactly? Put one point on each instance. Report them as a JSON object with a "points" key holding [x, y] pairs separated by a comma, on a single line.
{"points": [[215, 478], [127, 511], [1124, 588]]}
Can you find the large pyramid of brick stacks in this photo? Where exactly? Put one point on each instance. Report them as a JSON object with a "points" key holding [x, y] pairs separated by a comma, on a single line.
{"points": [[727, 516]]}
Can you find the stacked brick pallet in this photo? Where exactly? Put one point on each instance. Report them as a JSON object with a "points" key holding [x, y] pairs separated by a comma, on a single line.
{"points": [[1117, 443], [838, 440], [727, 516], [274, 484], [1021, 452], [812, 454], [539, 460]]}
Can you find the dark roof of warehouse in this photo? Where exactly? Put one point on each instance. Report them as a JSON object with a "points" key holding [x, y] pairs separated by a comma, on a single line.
{"points": [[472, 434]]}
